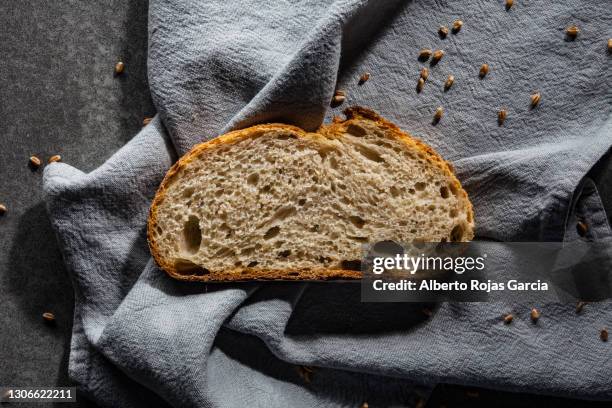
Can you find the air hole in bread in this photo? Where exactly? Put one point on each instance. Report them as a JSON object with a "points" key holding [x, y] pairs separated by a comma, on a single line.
{"points": [[192, 235], [252, 179], [284, 254], [358, 239], [284, 212], [225, 251], [383, 143], [247, 251], [453, 213], [444, 192], [394, 191], [186, 267], [301, 201], [286, 136], [333, 163], [357, 221], [272, 232], [324, 260], [388, 248], [228, 231], [457, 233], [252, 264], [369, 153], [351, 265], [356, 130], [188, 192], [420, 186], [324, 151]]}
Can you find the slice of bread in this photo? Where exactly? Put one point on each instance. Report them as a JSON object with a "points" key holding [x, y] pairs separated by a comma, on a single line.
{"points": [[276, 202]]}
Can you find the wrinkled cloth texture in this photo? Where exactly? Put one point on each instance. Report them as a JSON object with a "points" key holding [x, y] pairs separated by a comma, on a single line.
{"points": [[141, 339]]}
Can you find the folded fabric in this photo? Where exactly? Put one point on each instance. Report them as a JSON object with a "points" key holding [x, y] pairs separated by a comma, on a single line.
{"points": [[142, 339]]}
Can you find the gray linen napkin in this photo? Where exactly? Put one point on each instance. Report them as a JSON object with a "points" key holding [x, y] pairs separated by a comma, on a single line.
{"points": [[142, 339]]}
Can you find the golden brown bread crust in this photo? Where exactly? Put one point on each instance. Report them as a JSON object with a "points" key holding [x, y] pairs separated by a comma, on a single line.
{"points": [[334, 130]]}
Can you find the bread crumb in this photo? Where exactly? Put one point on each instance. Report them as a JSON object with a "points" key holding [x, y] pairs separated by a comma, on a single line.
{"points": [[420, 85], [572, 32], [535, 315], [119, 68], [484, 70], [535, 99], [437, 56], [364, 77], [501, 117], [457, 25], [34, 162], [48, 317], [438, 115], [449, 82], [424, 54]]}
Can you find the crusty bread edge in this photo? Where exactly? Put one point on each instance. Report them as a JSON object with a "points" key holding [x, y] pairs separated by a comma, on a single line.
{"points": [[335, 129]]}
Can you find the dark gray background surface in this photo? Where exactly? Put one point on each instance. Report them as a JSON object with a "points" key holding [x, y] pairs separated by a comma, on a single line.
{"points": [[58, 95]]}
